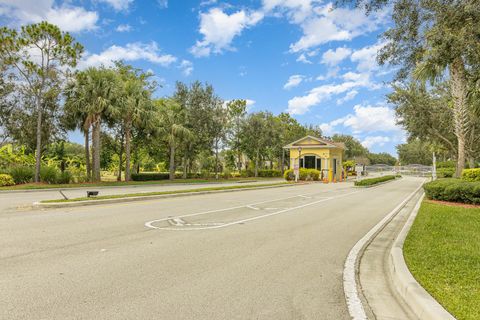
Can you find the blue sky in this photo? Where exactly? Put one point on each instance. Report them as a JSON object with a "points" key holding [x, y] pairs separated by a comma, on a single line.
{"points": [[299, 56]]}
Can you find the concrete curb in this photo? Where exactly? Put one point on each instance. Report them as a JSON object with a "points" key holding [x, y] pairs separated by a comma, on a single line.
{"points": [[415, 296], [141, 198]]}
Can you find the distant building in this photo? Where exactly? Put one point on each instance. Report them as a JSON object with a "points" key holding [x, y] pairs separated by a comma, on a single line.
{"points": [[317, 153]]}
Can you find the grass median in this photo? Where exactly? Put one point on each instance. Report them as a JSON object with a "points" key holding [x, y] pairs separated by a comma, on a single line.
{"points": [[373, 181], [37, 186], [171, 192], [442, 251]]}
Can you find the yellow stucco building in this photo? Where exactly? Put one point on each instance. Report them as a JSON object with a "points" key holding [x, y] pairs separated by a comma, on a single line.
{"points": [[316, 153]]}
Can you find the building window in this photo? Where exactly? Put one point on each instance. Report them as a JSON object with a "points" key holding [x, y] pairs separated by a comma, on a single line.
{"points": [[309, 162], [319, 164]]}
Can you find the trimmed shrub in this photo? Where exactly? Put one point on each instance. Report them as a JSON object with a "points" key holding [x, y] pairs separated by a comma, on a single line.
{"points": [[446, 164], [6, 180], [445, 172], [22, 174], [150, 176], [305, 174], [454, 190], [49, 174], [64, 177], [373, 181], [471, 174], [269, 173]]}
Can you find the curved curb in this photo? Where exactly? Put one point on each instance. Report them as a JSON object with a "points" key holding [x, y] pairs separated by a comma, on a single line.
{"points": [[350, 271], [415, 296], [141, 198]]}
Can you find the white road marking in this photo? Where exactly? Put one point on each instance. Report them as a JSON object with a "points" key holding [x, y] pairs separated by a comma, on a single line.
{"points": [[306, 197], [252, 207], [177, 221], [149, 224], [354, 303]]}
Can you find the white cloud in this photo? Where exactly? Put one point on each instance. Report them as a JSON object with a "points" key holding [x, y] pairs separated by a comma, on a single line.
{"points": [[68, 18], [302, 104], [303, 58], [366, 57], [371, 141], [334, 57], [293, 81], [124, 28], [187, 67], [366, 119], [219, 29], [118, 5], [163, 4], [131, 52], [250, 102], [349, 96]]}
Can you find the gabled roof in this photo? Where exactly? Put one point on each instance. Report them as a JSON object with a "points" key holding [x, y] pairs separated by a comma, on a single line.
{"points": [[320, 142]]}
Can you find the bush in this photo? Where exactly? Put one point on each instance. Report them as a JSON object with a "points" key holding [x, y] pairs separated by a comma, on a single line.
{"points": [[269, 173], [150, 176], [445, 172], [6, 180], [305, 174], [64, 177], [373, 181], [49, 174], [22, 174], [446, 164], [471, 174], [454, 190]]}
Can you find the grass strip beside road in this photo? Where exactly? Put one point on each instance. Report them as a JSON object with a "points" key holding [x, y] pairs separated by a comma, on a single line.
{"points": [[442, 251], [144, 194], [37, 186]]}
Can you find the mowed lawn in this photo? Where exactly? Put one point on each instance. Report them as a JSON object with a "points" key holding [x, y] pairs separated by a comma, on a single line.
{"points": [[442, 251]]}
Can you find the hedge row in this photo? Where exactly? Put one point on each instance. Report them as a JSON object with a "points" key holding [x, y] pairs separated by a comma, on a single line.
{"points": [[6, 180], [445, 172], [454, 190], [305, 174], [150, 176], [471, 174], [50, 175], [373, 181]]}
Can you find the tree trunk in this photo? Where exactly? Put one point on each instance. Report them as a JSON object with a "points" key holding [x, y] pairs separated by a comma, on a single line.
{"points": [[128, 132], [96, 153], [172, 162], [458, 83], [216, 159], [471, 162], [185, 162], [38, 155], [282, 166], [120, 161], [87, 154], [256, 164]]}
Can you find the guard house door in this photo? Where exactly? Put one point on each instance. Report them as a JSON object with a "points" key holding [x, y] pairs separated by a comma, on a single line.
{"points": [[309, 162]]}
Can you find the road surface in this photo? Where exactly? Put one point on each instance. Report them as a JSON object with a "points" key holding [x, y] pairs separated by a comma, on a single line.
{"points": [[258, 254]]}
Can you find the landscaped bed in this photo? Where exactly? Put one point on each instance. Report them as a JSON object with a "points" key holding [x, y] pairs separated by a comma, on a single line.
{"points": [[442, 251], [146, 194], [454, 190], [373, 181]]}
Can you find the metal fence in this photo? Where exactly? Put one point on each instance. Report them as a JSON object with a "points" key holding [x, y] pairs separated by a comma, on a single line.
{"points": [[417, 170]]}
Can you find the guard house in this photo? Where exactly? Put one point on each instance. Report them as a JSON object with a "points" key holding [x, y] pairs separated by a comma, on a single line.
{"points": [[317, 153]]}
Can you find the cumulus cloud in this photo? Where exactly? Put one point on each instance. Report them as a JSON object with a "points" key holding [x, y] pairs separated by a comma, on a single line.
{"points": [[349, 96], [371, 141], [366, 57], [334, 57], [187, 67], [293, 81], [302, 104], [124, 28], [130, 52], [366, 119], [68, 17], [118, 5], [219, 29]]}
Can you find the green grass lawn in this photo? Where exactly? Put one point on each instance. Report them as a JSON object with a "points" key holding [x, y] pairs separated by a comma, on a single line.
{"points": [[442, 251], [142, 194], [32, 186]]}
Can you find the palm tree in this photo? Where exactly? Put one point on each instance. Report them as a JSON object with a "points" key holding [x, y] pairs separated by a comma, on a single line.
{"points": [[171, 127], [92, 96]]}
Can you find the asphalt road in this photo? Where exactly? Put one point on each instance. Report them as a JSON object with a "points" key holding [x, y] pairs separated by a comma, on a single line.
{"points": [[263, 254]]}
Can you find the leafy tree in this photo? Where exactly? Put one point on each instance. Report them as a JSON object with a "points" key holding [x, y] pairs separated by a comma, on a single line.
{"points": [[414, 152], [218, 129], [237, 109], [382, 158], [431, 40], [354, 147], [171, 126], [37, 59], [93, 94]]}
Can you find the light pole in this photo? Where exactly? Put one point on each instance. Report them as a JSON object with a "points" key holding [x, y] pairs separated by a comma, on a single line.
{"points": [[297, 173]]}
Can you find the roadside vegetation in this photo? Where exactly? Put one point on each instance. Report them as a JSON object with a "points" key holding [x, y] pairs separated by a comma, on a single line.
{"points": [[442, 251], [146, 194], [373, 181]]}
